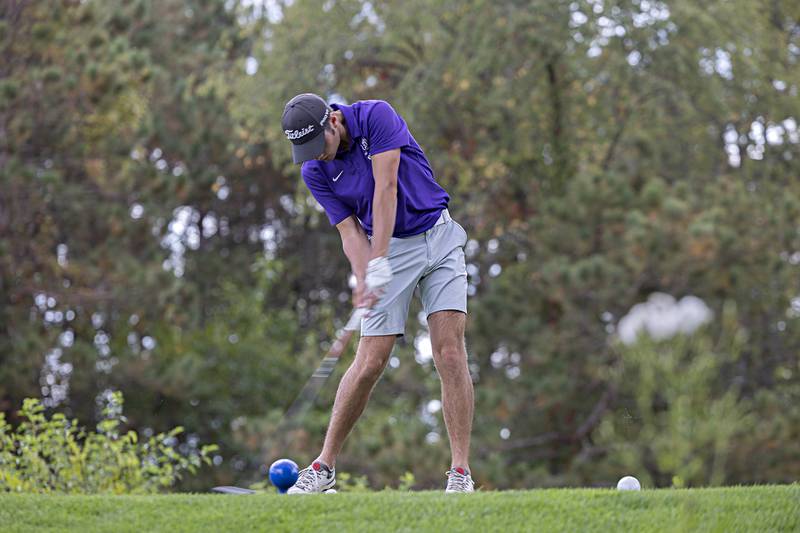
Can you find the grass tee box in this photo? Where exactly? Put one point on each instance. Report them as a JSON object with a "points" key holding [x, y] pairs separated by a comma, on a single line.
{"points": [[775, 508]]}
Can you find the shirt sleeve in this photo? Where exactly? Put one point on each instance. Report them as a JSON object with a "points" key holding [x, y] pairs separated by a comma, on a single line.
{"points": [[386, 130], [335, 208]]}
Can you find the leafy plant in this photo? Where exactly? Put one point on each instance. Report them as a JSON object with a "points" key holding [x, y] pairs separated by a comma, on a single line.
{"points": [[57, 455], [346, 482], [407, 481], [679, 417]]}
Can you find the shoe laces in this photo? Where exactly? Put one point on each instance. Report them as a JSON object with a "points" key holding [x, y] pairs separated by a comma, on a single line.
{"points": [[306, 478], [456, 480]]}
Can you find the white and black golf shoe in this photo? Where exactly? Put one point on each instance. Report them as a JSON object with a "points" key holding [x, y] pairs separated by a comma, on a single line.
{"points": [[314, 479], [459, 480]]}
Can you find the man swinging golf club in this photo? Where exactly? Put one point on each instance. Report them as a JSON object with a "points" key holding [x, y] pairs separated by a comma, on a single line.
{"points": [[373, 180]]}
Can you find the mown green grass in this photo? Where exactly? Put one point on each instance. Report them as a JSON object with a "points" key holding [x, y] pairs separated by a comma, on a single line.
{"points": [[773, 508]]}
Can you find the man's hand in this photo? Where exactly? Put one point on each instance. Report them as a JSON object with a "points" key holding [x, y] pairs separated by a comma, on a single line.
{"points": [[369, 290], [365, 298], [358, 293]]}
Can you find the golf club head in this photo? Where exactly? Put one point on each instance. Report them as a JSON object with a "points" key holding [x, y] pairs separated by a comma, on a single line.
{"points": [[233, 490]]}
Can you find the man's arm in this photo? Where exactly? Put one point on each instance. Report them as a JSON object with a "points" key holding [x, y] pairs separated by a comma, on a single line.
{"points": [[384, 200], [357, 249], [369, 258]]}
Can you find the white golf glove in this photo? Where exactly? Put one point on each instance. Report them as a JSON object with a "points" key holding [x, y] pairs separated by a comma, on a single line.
{"points": [[379, 274]]}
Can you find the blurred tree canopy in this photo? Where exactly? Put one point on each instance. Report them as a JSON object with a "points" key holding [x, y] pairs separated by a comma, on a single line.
{"points": [[155, 238]]}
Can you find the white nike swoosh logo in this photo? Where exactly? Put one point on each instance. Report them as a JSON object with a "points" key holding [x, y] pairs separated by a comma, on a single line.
{"points": [[337, 175]]}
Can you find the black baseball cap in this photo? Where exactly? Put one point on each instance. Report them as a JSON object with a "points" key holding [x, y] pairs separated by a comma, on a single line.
{"points": [[303, 122]]}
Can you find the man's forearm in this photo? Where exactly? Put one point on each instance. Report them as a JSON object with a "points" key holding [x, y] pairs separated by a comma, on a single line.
{"points": [[357, 250], [384, 200], [384, 212]]}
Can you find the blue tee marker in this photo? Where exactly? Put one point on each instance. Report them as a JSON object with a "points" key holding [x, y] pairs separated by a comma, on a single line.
{"points": [[283, 474]]}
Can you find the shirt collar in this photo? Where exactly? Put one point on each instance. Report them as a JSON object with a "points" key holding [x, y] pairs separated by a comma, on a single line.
{"points": [[349, 119]]}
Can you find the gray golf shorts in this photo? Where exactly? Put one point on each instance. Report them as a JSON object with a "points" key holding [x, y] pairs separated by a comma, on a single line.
{"points": [[434, 262]]}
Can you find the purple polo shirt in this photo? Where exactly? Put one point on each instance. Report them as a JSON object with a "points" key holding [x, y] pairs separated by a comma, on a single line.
{"points": [[345, 186]]}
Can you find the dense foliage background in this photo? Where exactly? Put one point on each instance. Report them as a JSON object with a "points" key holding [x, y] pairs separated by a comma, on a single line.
{"points": [[156, 240]]}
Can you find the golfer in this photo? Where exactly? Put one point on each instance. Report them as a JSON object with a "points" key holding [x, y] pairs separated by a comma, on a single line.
{"points": [[373, 180]]}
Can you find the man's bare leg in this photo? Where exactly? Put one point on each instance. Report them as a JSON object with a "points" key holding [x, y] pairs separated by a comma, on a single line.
{"points": [[354, 392], [450, 356]]}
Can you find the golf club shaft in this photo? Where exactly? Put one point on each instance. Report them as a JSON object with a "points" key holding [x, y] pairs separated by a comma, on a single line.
{"points": [[314, 384]]}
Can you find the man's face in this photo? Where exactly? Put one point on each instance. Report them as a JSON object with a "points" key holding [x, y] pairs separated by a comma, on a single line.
{"points": [[332, 139]]}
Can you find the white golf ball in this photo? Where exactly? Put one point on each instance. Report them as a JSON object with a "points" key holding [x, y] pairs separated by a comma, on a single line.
{"points": [[330, 491], [628, 483]]}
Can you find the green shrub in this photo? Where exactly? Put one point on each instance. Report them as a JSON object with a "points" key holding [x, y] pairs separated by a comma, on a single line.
{"points": [[407, 481], [346, 482], [57, 455], [680, 414]]}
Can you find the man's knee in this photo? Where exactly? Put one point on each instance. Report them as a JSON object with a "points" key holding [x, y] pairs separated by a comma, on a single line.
{"points": [[450, 357], [370, 369], [371, 358]]}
